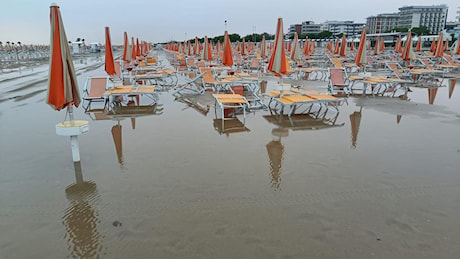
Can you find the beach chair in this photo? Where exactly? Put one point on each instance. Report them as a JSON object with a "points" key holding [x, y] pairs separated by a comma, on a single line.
{"points": [[94, 90], [191, 83], [210, 81], [230, 105], [338, 81]]}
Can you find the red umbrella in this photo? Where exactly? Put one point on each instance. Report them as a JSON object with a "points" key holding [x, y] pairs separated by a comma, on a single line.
{"points": [[408, 53], [62, 84], [63, 88], [278, 62], [439, 46], [227, 57], [361, 58], [133, 49], [343, 46], [207, 54], [109, 64], [418, 48], [125, 47]]}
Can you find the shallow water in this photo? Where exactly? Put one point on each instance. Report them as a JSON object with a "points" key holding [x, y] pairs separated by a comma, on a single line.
{"points": [[386, 188]]}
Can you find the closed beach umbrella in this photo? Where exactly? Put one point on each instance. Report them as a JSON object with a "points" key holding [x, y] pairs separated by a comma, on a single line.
{"points": [[343, 46], [109, 64], [63, 88], [278, 59], [361, 58], [439, 52], [457, 49], [133, 49], [227, 59], [125, 47], [408, 53], [207, 54], [196, 47], [418, 48], [263, 47], [295, 53], [243, 48], [433, 46], [377, 46]]}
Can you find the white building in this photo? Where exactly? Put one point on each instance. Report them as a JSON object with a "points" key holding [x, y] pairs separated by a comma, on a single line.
{"points": [[433, 17]]}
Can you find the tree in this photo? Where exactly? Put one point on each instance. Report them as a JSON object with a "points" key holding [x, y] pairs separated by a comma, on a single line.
{"points": [[423, 30]]}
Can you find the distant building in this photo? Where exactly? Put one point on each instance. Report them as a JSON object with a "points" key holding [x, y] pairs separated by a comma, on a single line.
{"points": [[433, 17], [294, 28], [310, 27], [348, 27], [382, 23]]}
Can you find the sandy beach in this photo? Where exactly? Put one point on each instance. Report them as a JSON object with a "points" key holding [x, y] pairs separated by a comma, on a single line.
{"points": [[381, 182]]}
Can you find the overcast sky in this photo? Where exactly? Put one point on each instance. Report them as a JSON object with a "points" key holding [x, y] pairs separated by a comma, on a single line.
{"points": [[27, 21]]}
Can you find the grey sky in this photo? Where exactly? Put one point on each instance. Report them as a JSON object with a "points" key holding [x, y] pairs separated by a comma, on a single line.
{"points": [[158, 21]]}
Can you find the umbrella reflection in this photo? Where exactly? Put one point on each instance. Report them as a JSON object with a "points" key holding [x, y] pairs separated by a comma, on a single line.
{"points": [[398, 118], [355, 121], [432, 95], [451, 84], [117, 140], [81, 219], [275, 151]]}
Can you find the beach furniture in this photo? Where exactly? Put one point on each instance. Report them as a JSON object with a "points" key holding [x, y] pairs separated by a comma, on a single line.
{"points": [[94, 90], [230, 105], [191, 83], [338, 81]]}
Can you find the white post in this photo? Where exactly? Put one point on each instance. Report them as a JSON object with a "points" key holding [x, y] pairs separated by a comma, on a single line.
{"points": [[73, 138]]}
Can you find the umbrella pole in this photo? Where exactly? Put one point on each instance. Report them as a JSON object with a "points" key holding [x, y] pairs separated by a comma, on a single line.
{"points": [[73, 138]]}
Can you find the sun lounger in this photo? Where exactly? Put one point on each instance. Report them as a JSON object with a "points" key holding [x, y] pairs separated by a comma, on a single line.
{"points": [[192, 83], [338, 81], [230, 102], [94, 90]]}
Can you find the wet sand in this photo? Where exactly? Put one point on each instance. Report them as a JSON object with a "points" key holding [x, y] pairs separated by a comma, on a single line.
{"points": [[383, 183]]}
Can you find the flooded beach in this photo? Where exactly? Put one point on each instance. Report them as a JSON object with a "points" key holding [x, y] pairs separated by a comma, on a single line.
{"points": [[380, 180]]}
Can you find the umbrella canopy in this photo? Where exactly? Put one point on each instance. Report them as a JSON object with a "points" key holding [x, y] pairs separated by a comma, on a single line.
{"points": [[207, 54], [398, 45], [295, 53], [62, 81], [227, 56], [418, 48], [457, 49], [126, 47], [278, 59], [439, 52], [343, 47], [243, 48], [109, 64], [377, 46], [361, 58], [263, 47], [133, 49], [408, 53]]}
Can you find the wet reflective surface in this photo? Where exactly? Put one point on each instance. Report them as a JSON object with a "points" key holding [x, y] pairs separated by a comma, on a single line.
{"points": [[381, 181]]}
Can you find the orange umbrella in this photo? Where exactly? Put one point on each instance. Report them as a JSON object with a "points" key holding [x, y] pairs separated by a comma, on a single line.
{"points": [[439, 46], [138, 48], [398, 47], [408, 53], [433, 46], [457, 50], [243, 48], [133, 49], [109, 64], [418, 48], [361, 58], [196, 48], [337, 47], [125, 47], [382, 45], [352, 45], [63, 88], [278, 59], [295, 53], [343, 46], [227, 57], [263, 47], [377, 47], [207, 54]]}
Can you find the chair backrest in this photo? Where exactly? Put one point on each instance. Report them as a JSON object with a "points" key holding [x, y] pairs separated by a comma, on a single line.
{"points": [[427, 63], [191, 62], [394, 67], [337, 76], [97, 87], [117, 69], [254, 64], [207, 74]]}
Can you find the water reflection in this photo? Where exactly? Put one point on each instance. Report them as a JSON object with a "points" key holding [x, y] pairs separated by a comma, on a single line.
{"points": [[229, 126], [81, 218], [432, 95], [451, 85], [275, 150], [118, 113], [202, 109], [284, 123], [355, 122]]}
